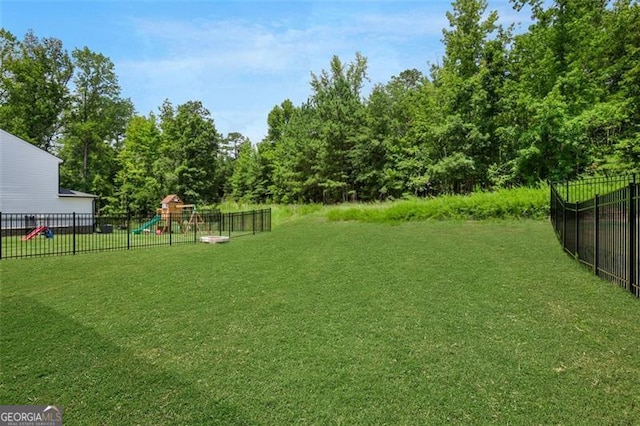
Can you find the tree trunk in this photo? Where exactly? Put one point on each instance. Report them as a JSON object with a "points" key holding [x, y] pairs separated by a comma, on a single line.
{"points": [[85, 163]]}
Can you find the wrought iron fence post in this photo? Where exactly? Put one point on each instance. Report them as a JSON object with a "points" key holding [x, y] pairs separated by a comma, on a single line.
{"points": [[596, 231], [564, 225], [254, 222], [553, 208], [631, 262], [74, 232], [128, 230], [195, 232], [170, 218], [230, 225], [577, 229], [0, 235]]}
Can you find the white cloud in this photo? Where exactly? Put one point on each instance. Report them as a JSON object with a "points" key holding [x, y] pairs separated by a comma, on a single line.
{"points": [[241, 68], [249, 67], [273, 47]]}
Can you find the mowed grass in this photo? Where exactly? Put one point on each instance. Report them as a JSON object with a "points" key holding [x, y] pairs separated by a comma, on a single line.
{"points": [[325, 323]]}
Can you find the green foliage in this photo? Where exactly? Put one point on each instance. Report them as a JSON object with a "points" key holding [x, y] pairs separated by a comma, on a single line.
{"points": [[94, 125], [33, 87], [195, 144], [314, 157], [139, 190], [467, 86], [568, 68], [450, 173], [502, 204], [246, 173]]}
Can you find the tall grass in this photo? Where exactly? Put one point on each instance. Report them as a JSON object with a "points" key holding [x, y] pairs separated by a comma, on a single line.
{"points": [[517, 203]]}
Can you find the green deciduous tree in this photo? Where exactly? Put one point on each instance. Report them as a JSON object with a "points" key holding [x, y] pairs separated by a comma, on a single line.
{"points": [[34, 74], [467, 87], [139, 190], [94, 125], [389, 156], [190, 153], [297, 160]]}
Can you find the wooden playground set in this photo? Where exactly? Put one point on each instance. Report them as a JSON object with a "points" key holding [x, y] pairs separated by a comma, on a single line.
{"points": [[173, 216]]}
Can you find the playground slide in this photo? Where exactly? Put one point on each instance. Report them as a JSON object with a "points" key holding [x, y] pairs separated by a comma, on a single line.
{"points": [[147, 225], [33, 233]]}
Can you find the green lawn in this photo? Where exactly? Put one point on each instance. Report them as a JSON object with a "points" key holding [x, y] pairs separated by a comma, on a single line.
{"points": [[325, 322]]}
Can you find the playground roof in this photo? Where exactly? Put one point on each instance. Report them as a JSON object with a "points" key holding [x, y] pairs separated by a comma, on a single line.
{"points": [[173, 198]]}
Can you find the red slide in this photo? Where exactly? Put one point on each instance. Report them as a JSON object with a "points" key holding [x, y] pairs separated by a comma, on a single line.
{"points": [[33, 233]]}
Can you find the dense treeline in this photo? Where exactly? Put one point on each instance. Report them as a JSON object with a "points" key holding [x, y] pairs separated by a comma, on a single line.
{"points": [[559, 100]]}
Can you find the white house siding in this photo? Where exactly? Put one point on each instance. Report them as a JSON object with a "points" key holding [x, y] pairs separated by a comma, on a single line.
{"points": [[29, 181], [76, 204]]}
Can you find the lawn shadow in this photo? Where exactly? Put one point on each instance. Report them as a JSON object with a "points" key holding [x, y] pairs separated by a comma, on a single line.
{"points": [[94, 380]]}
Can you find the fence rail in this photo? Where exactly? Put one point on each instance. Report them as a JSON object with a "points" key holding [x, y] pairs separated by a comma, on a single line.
{"points": [[50, 234], [601, 231]]}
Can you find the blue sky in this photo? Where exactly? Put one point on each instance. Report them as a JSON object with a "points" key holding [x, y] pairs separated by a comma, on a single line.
{"points": [[240, 58]]}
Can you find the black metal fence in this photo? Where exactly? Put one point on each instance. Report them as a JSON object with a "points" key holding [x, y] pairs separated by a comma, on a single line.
{"points": [[601, 231], [50, 234]]}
